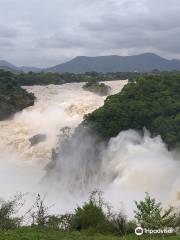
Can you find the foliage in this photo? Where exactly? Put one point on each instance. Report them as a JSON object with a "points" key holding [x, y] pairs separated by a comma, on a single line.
{"points": [[8, 211], [62, 222], [13, 98], [152, 101], [121, 225], [39, 212], [99, 88], [94, 220], [41, 219], [43, 78], [151, 215], [27, 233], [46, 78], [96, 216], [91, 216]]}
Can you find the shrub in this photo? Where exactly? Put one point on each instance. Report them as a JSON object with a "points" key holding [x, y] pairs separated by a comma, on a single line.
{"points": [[8, 210], [151, 215], [91, 216], [121, 225], [62, 222]]}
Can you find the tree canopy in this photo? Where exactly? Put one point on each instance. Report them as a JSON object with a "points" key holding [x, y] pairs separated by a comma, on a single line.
{"points": [[152, 101], [13, 98]]}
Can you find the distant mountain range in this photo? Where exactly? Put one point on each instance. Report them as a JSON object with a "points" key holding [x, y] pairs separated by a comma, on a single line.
{"points": [[7, 66], [141, 63], [10, 67]]}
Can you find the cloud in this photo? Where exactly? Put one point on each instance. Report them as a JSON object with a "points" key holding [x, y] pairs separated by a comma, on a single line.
{"points": [[44, 32]]}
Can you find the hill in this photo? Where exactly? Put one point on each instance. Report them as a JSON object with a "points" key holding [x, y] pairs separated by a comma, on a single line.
{"points": [[146, 62], [152, 102], [141, 63], [12, 97], [30, 69], [7, 66]]}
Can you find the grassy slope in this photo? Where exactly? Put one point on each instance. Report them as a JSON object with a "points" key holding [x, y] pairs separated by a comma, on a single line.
{"points": [[32, 234]]}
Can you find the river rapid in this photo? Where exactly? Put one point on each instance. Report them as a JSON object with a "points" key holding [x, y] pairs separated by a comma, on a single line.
{"points": [[139, 168]]}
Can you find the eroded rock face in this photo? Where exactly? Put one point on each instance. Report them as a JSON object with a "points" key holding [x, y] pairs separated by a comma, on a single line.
{"points": [[36, 139]]}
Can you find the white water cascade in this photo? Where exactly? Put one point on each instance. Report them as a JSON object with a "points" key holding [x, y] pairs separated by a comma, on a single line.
{"points": [[135, 164]]}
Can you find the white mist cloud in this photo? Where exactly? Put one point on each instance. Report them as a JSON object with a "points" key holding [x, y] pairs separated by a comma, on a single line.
{"points": [[130, 166]]}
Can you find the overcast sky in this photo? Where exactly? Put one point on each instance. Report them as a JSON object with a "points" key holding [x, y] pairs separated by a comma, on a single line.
{"points": [[48, 32]]}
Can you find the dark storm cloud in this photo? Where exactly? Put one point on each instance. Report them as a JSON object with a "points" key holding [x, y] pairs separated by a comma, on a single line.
{"points": [[47, 32], [152, 24]]}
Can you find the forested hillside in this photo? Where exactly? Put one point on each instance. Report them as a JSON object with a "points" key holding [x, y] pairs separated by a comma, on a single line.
{"points": [[29, 79], [12, 97], [152, 101]]}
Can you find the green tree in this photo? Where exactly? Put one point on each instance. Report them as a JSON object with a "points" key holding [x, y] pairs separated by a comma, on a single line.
{"points": [[39, 212], [151, 215], [8, 211]]}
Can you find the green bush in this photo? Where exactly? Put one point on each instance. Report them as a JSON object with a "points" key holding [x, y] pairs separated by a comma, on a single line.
{"points": [[151, 215], [90, 217], [8, 212], [96, 87]]}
